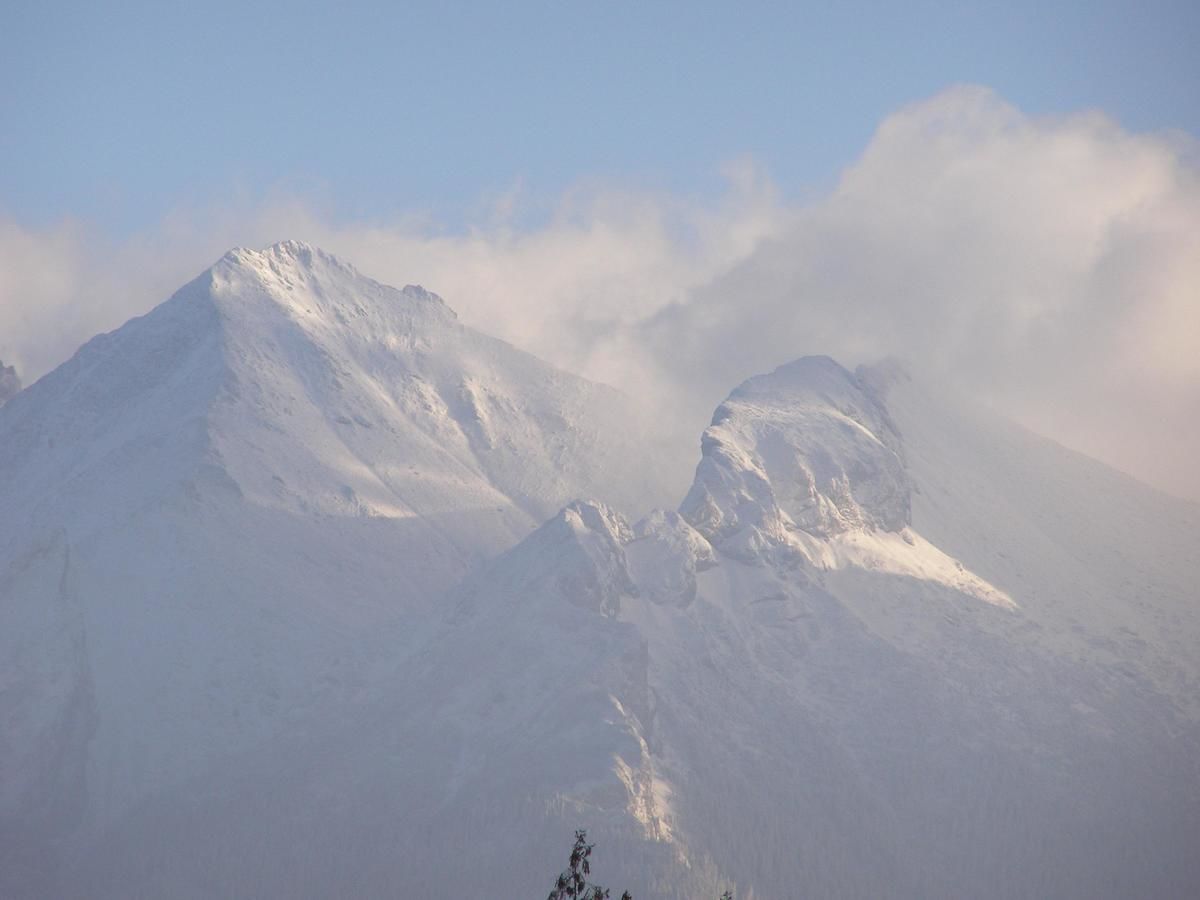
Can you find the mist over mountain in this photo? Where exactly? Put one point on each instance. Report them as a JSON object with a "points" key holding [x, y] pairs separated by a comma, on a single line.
{"points": [[307, 589]]}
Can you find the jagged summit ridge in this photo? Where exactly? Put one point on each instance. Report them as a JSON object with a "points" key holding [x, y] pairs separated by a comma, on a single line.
{"points": [[294, 258], [804, 450], [288, 266], [293, 270]]}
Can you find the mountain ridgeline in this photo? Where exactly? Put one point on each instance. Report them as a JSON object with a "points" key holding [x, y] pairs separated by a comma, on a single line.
{"points": [[307, 590]]}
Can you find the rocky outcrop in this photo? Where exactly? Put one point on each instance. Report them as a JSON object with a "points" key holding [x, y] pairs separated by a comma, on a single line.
{"points": [[805, 450]]}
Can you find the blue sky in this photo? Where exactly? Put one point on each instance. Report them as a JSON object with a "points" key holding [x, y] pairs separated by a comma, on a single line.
{"points": [[117, 113]]}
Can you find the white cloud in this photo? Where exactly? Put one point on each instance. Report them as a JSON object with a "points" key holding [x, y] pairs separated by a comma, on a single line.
{"points": [[1050, 264]]}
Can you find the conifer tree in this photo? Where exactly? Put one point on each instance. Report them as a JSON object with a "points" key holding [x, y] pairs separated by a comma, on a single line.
{"points": [[572, 884]]}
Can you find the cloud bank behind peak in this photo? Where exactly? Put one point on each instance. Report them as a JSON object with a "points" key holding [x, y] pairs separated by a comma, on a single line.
{"points": [[1048, 265]]}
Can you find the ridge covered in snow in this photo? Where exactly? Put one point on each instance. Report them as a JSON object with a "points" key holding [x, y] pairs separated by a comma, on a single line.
{"points": [[298, 602]]}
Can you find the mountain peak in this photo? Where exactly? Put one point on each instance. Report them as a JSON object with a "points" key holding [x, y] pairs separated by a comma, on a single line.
{"points": [[282, 265], [806, 449], [577, 557], [814, 379], [289, 252], [286, 377], [313, 282], [584, 549]]}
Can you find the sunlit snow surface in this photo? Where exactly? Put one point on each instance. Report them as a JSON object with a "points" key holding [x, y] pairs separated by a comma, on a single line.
{"points": [[256, 640]]}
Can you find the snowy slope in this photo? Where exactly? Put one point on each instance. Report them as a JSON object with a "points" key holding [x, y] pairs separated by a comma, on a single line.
{"points": [[1105, 567], [277, 623], [828, 703], [995, 693], [525, 714], [219, 518], [790, 688]]}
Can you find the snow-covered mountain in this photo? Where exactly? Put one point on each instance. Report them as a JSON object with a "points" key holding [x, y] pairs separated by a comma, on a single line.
{"points": [[217, 518], [792, 688], [277, 622]]}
